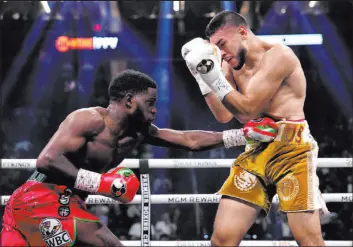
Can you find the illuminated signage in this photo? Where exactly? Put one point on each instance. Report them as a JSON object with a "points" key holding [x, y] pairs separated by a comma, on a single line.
{"points": [[294, 39], [65, 43]]}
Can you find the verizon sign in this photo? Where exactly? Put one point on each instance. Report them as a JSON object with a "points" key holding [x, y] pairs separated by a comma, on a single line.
{"points": [[65, 43]]}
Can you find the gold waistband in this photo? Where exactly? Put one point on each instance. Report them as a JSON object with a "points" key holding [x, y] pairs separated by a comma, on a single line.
{"points": [[292, 132]]}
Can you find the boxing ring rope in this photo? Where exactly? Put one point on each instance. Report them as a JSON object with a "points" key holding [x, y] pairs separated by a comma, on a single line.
{"points": [[243, 243], [177, 163], [190, 198], [146, 199]]}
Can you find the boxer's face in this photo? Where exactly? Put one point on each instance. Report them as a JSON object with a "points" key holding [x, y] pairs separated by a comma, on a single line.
{"points": [[145, 106], [230, 40]]}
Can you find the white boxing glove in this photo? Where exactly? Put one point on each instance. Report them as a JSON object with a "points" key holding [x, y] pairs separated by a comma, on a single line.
{"points": [[189, 46], [206, 60]]}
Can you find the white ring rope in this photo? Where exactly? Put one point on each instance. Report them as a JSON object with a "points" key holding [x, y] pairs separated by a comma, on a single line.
{"points": [[178, 163], [243, 243], [191, 198]]}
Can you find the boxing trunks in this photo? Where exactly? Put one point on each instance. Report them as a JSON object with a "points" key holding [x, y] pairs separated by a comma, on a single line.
{"points": [[42, 214], [286, 167]]}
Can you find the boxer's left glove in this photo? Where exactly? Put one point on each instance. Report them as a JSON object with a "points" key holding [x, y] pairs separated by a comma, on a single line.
{"points": [[119, 183], [257, 130], [260, 130], [206, 60], [188, 47]]}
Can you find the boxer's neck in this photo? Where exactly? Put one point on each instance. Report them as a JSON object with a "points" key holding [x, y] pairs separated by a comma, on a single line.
{"points": [[256, 48], [118, 118]]}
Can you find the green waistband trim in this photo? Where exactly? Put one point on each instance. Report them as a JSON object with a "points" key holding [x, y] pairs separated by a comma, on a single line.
{"points": [[37, 176]]}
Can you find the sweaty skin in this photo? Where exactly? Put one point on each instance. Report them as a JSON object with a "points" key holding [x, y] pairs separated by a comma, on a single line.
{"points": [[268, 81], [90, 139], [98, 139], [271, 82]]}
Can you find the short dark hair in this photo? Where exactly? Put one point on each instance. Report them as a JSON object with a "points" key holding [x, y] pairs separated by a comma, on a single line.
{"points": [[223, 18], [129, 81]]}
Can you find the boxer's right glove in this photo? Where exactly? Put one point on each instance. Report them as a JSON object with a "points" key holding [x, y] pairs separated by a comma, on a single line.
{"points": [[261, 130], [119, 183], [188, 47]]}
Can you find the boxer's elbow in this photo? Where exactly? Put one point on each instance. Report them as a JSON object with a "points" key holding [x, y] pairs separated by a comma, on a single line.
{"points": [[248, 113], [224, 118], [243, 119], [222, 114], [192, 143], [254, 107], [254, 110], [197, 141], [45, 163], [249, 110], [238, 106]]}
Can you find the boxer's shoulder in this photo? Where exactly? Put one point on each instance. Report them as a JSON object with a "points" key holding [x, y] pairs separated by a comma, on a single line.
{"points": [[91, 113], [280, 53], [278, 48], [91, 118]]}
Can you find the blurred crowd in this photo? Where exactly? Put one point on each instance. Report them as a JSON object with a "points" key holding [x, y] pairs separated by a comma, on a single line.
{"points": [[25, 131], [177, 222], [28, 122]]}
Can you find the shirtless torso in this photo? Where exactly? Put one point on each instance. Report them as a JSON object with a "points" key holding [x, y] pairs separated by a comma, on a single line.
{"points": [[89, 141], [108, 147], [260, 79], [287, 102]]}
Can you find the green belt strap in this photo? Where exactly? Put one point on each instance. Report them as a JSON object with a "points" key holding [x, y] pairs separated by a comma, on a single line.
{"points": [[37, 176]]}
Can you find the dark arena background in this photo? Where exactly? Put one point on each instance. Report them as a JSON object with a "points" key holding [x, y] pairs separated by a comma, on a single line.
{"points": [[56, 57]]}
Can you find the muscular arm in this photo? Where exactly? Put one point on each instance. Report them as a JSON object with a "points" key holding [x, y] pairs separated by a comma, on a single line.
{"points": [[194, 140], [69, 138], [219, 111], [277, 64]]}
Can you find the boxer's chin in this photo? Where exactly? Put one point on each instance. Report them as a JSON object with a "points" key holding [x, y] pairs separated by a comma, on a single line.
{"points": [[241, 59]]}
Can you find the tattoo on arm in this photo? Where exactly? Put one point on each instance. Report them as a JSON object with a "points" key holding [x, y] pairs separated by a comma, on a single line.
{"points": [[108, 240]]}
